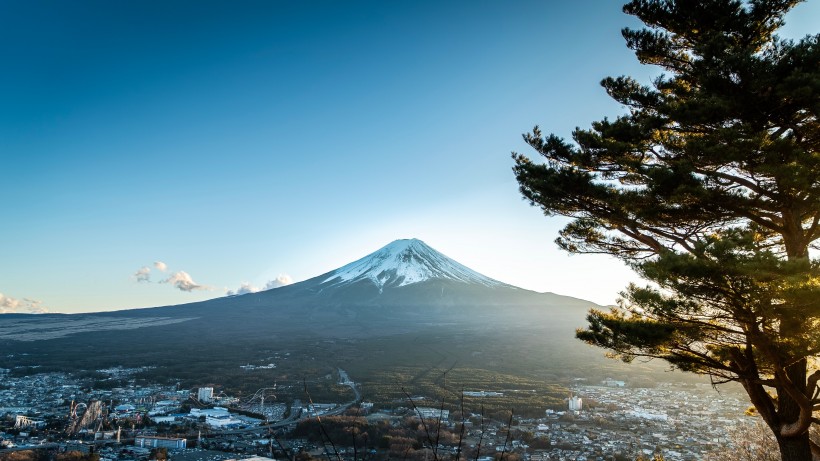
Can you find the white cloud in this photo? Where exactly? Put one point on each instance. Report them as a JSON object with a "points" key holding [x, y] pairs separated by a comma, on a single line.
{"points": [[35, 306], [10, 305], [282, 280], [180, 280], [245, 288], [184, 282], [143, 274]]}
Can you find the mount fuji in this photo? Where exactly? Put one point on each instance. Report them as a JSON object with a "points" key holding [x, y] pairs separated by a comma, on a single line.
{"points": [[405, 289], [406, 274], [405, 262]]}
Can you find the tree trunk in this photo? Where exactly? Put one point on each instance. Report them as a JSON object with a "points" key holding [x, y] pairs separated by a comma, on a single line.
{"points": [[795, 448]]}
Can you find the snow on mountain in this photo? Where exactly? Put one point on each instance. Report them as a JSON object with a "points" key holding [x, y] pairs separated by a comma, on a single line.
{"points": [[405, 262]]}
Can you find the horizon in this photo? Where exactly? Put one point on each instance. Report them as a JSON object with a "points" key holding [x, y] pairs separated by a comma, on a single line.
{"points": [[244, 291], [167, 154]]}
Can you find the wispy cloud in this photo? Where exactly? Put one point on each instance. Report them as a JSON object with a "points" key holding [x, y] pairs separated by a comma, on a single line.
{"points": [[9, 305], [143, 274], [184, 282], [34, 306], [245, 288], [280, 281], [179, 279]]}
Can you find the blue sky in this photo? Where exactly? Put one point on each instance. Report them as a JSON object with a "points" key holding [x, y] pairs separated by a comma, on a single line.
{"points": [[240, 142]]}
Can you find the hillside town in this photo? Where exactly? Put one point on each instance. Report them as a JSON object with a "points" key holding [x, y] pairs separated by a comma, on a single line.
{"points": [[607, 420]]}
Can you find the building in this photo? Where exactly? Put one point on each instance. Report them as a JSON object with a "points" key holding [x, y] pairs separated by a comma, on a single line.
{"points": [[160, 442], [124, 409], [314, 409], [433, 413], [216, 417], [169, 419], [253, 458], [163, 407], [613, 383], [209, 412], [575, 403], [25, 422], [83, 448], [205, 394]]}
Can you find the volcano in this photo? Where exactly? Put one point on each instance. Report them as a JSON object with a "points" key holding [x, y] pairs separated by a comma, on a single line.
{"points": [[405, 275], [405, 262], [403, 290]]}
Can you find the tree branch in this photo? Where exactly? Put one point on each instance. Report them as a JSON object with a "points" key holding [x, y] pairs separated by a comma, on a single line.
{"points": [[815, 451], [804, 420]]}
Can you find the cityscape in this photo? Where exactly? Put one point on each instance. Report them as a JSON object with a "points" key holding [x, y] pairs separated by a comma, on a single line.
{"points": [[601, 421]]}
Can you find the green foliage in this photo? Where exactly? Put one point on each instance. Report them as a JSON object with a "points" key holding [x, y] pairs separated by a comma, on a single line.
{"points": [[707, 187]]}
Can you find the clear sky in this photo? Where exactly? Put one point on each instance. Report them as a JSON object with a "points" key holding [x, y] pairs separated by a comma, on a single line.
{"points": [[241, 142]]}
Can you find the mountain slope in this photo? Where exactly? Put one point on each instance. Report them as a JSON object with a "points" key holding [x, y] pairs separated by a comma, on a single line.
{"points": [[408, 274], [402, 280], [397, 298]]}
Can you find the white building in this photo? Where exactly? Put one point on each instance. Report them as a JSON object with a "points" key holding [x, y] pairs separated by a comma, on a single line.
{"points": [[432, 413], [205, 394], [210, 412], [613, 383], [315, 409], [24, 422], [222, 421], [163, 407], [160, 442], [575, 403], [124, 408], [216, 417]]}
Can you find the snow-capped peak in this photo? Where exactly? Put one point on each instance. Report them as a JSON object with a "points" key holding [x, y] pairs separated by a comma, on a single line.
{"points": [[404, 262]]}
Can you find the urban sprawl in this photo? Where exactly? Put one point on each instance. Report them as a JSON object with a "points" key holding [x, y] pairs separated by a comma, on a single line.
{"points": [[606, 420]]}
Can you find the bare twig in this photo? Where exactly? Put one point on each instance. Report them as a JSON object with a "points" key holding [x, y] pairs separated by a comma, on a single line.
{"points": [[438, 429], [273, 436], [423, 422], [463, 426], [507, 438], [355, 451], [322, 428], [481, 435]]}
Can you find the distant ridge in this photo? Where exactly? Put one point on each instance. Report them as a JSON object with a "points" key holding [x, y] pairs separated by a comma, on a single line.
{"points": [[393, 290], [401, 308]]}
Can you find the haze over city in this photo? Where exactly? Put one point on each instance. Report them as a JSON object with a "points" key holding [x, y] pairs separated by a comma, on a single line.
{"points": [[213, 148]]}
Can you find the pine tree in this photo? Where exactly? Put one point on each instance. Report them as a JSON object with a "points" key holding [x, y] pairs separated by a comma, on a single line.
{"points": [[709, 188]]}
